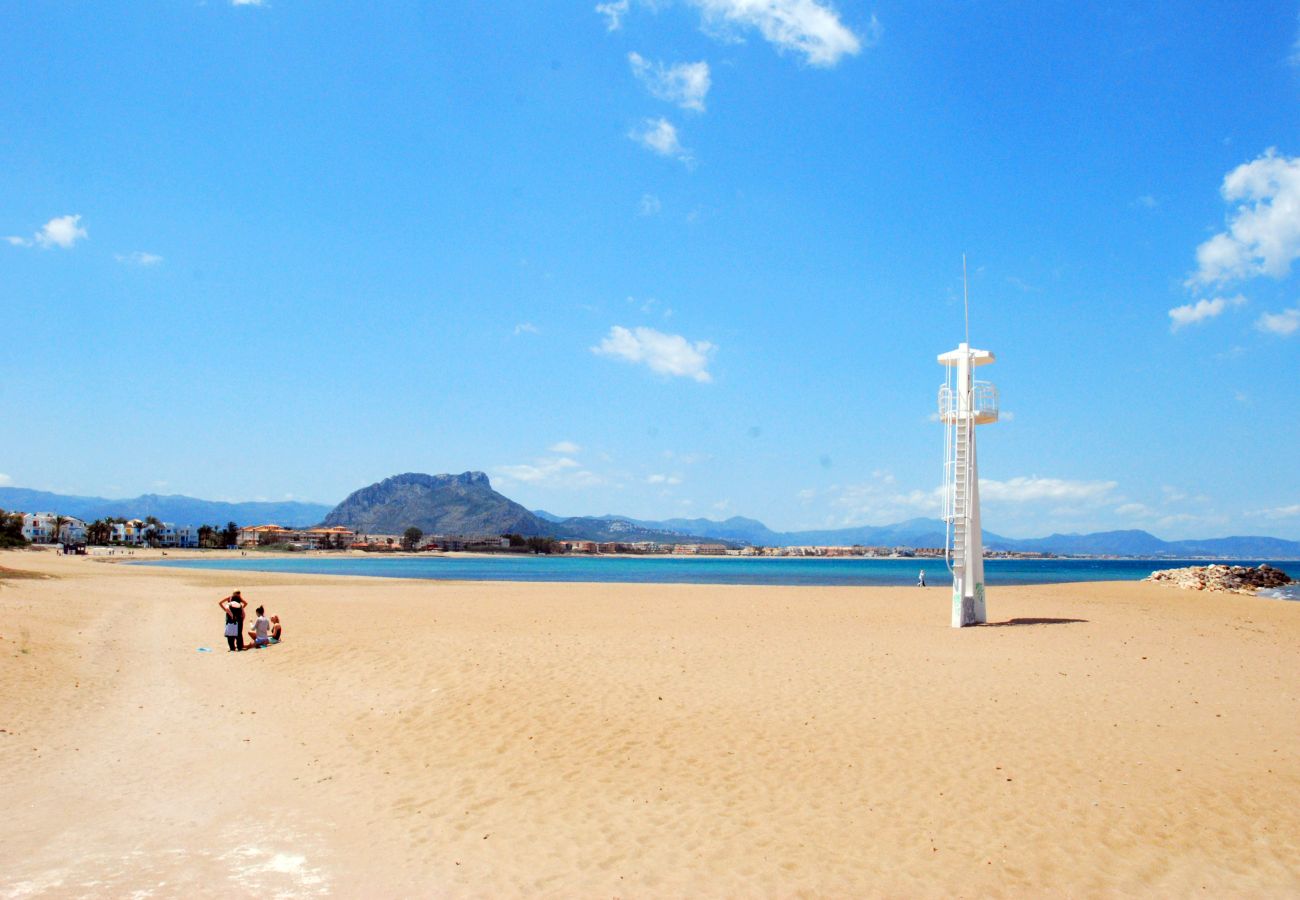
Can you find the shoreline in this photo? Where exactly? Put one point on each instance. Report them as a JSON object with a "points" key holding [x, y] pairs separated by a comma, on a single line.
{"points": [[618, 569], [124, 554]]}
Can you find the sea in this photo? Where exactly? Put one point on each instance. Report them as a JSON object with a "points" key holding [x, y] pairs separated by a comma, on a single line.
{"points": [[713, 570]]}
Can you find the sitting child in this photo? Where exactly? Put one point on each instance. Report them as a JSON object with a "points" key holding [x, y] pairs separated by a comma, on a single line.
{"points": [[261, 630]]}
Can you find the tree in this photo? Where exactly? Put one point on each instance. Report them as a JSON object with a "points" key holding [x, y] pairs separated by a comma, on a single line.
{"points": [[542, 545], [230, 535], [99, 532], [11, 530], [411, 538]]}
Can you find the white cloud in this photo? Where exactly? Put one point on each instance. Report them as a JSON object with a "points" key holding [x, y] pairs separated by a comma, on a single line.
{"points": [[5, 479], [1284, 323], [648, 306], [685, 84], [804, 26], [1034, 489], [668, 354], [649, 205], [1263, 235], [876, 503], [526, 327], [138, 258], [613, 13], [688, 459], [558, 472], [565, 447], [664, 479], [246, 2], [61, 231], [1136, 510], [1146, 201], [1277, 512], [660, 135], [1191, 313]]}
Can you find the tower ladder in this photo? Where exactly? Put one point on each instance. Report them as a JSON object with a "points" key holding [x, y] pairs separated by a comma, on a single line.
{"points": [[960, 489]]}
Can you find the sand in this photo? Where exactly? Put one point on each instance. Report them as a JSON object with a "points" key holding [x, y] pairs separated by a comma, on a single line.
{"points": [[497, 739]]}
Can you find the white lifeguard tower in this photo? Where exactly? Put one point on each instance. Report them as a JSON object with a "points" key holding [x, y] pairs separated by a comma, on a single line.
{"points": [[963, 405]]}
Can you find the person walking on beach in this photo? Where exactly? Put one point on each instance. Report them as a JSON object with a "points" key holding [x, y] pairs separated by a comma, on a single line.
{"points": [[234, 607], [920, 581]]}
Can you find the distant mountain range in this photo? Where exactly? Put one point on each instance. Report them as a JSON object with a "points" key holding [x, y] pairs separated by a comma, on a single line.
{"points": [[467, 504], [167, 508]]}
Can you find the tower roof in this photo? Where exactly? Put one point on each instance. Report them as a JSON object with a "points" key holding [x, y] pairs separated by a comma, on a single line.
{"points": [[977, 357]]}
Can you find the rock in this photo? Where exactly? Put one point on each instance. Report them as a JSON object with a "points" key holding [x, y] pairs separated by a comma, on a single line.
{"points": [[1233, 579]]}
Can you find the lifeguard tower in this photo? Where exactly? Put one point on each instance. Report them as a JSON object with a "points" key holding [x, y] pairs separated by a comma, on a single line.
{"points": [[963, 405]]}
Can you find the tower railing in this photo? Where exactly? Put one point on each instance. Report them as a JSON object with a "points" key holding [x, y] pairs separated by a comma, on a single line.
{"points": [[983, 403]]}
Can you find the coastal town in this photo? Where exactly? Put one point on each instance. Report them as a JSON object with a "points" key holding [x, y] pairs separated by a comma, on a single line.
{"points": [[76, 536]]}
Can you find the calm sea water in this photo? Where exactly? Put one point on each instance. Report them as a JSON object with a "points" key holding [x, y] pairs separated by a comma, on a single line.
{"points": [[703, 570]]}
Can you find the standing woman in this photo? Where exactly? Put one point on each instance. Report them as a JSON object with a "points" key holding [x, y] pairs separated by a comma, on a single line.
{"points": [[234, 607]]}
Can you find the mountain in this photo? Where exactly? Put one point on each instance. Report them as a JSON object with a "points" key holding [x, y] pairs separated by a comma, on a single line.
{"points": [[168, 508], [436, 504], [467, 504], [930, 533], [737, 529], [1143, 543], [628, 531], [1101, 543]]}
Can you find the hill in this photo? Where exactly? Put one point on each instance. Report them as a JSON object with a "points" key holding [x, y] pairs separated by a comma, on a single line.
{"points": [[168, 508], [436, 504], [467, 504]]}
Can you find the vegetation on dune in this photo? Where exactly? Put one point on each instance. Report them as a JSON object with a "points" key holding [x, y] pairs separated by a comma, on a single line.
{"points": [[16, 574], [11, 530]]}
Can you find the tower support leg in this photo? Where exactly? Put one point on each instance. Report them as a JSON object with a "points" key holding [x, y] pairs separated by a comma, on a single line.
{"points": [[965, 610]]}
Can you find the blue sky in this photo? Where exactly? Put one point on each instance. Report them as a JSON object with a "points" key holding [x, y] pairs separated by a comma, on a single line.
{"points": [[657, 258]]}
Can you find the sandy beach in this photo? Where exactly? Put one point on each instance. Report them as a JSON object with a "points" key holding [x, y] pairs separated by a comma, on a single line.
{"points": [[506, 739]]}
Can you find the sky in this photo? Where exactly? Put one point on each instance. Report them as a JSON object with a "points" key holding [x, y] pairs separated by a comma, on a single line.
{"points": [[658, 258]]}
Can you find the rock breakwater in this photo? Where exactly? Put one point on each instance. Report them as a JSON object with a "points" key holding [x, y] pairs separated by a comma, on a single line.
{"points": [[1232, 579]]}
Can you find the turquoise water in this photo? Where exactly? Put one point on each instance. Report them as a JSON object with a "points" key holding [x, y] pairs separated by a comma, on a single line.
{"points": [[701, 570]]}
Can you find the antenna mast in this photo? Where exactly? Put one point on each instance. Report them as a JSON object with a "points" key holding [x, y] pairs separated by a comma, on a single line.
{"points": [[965, 297]]}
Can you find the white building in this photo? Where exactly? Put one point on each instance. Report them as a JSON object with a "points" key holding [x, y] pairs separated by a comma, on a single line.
{"points": [[178, 535], [131, 533], [40, 528], [72, 531], [136, 533]]}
